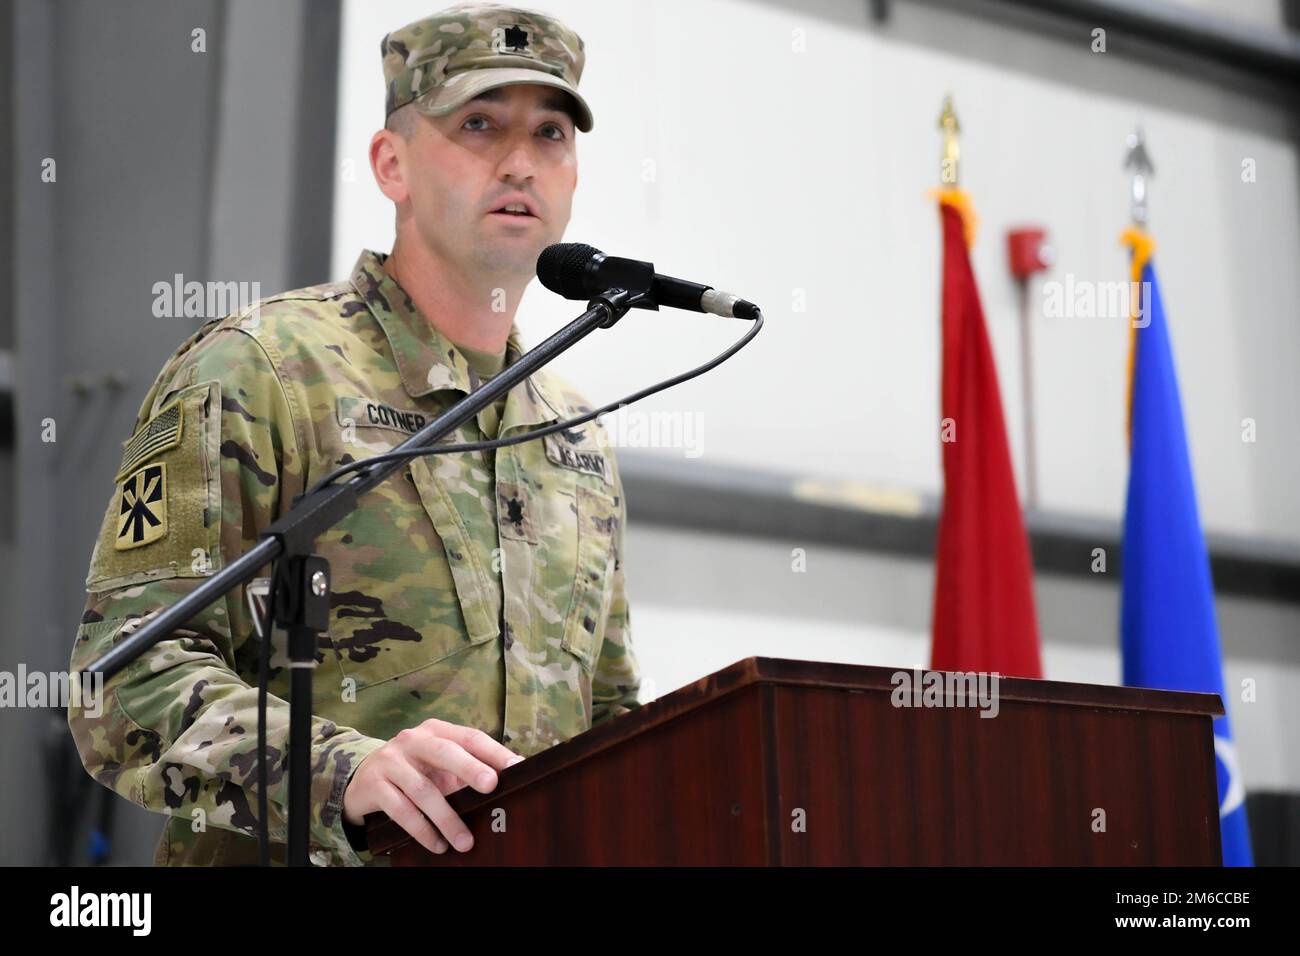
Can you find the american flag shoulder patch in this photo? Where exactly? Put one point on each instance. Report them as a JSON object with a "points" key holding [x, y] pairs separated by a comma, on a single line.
{"points": [[160, 433]]}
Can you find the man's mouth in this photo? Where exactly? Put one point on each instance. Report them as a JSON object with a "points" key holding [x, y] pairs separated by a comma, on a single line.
{"points": [[516, 209]]}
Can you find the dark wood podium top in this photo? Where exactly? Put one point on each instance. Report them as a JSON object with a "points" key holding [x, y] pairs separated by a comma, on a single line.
{"points": [[385, 836]]}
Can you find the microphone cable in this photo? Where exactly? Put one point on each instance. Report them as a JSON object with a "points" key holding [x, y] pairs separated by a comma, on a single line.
{"points": [[534, 434]]}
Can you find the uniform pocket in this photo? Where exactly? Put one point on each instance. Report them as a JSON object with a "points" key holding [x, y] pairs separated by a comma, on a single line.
{"points": [[407, 589], [409, 585], [584, 623]]}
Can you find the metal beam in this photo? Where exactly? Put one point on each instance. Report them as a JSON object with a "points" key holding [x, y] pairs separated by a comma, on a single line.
{"points": [[731, 500], [1177, 28]]}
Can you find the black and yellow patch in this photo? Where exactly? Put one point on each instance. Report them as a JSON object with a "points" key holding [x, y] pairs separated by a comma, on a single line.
{"points": [[142, 507], [164, 518]]}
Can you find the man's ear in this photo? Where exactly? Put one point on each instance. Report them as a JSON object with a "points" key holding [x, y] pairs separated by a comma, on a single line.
{"points": [[388, 162]]}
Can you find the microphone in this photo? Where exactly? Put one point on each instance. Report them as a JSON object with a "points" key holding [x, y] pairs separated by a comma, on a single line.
{"points": [[578, 271]]}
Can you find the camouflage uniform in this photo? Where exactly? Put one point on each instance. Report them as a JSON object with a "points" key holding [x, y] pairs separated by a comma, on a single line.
{"points": [[485, 589]]}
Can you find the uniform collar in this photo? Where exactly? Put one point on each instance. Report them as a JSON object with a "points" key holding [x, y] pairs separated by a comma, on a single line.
{"points": [[428, 361]]}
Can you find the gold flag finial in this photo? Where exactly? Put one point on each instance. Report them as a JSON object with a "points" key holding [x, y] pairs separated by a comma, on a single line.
{"points": [[951, 149]]}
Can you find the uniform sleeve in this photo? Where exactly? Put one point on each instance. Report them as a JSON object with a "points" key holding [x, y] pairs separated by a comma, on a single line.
{"points": [[617, 678], [176, 731]]}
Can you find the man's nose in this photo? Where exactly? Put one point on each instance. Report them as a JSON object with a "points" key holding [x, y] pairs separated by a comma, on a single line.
{"points": [[519, 163]]}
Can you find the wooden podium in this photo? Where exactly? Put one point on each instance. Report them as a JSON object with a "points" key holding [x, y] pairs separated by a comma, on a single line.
{"points": [[779, 762]]}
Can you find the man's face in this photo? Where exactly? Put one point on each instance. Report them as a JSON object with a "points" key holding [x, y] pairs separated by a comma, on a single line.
{"points": [[513, 143]]}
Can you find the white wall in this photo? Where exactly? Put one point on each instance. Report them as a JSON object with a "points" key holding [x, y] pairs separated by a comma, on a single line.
{"points": [[776, 171]]}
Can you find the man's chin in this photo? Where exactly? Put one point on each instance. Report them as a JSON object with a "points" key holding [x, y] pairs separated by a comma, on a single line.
{"points": [[517, 256]]}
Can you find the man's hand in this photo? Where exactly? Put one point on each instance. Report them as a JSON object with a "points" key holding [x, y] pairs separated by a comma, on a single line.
{"points": [[409, 776]]}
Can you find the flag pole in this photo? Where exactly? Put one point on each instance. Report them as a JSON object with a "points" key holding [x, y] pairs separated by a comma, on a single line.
{"points": [[1027, 394], [1139, 240], [950, 191]]}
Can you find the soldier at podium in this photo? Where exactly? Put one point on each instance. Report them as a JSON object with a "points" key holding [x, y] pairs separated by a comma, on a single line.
{"points": [[479, 612]]}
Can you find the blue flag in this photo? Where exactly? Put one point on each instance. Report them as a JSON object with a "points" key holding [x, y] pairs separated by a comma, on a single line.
{"points": [[1169, 633]]}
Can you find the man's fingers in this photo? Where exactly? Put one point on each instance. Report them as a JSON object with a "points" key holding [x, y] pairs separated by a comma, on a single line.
{"points": [[408, 816], [422, 792], [448, 783], [445, 753], [481, 745]]}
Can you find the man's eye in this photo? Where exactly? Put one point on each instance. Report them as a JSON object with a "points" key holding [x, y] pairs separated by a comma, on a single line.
{"points": [[552, 131]]}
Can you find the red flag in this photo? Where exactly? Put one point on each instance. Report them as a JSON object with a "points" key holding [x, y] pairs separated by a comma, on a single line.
{"points": [[984, 618]]}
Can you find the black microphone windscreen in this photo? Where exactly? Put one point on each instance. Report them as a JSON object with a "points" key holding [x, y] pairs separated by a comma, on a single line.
{"points": [[560, 268]]}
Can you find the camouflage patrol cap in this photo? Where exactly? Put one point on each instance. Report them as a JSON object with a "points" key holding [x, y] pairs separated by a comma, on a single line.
{"points": [[445, 60]]}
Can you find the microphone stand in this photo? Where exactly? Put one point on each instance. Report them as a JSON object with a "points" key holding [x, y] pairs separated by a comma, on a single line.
{"points": [[300, 579]]}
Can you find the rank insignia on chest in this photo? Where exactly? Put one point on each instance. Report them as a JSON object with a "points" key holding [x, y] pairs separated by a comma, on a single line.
{"points": [[142, 507]]}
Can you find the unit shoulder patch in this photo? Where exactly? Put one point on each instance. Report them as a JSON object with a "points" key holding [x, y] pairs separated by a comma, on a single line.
{"points": [[142, 507]]}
